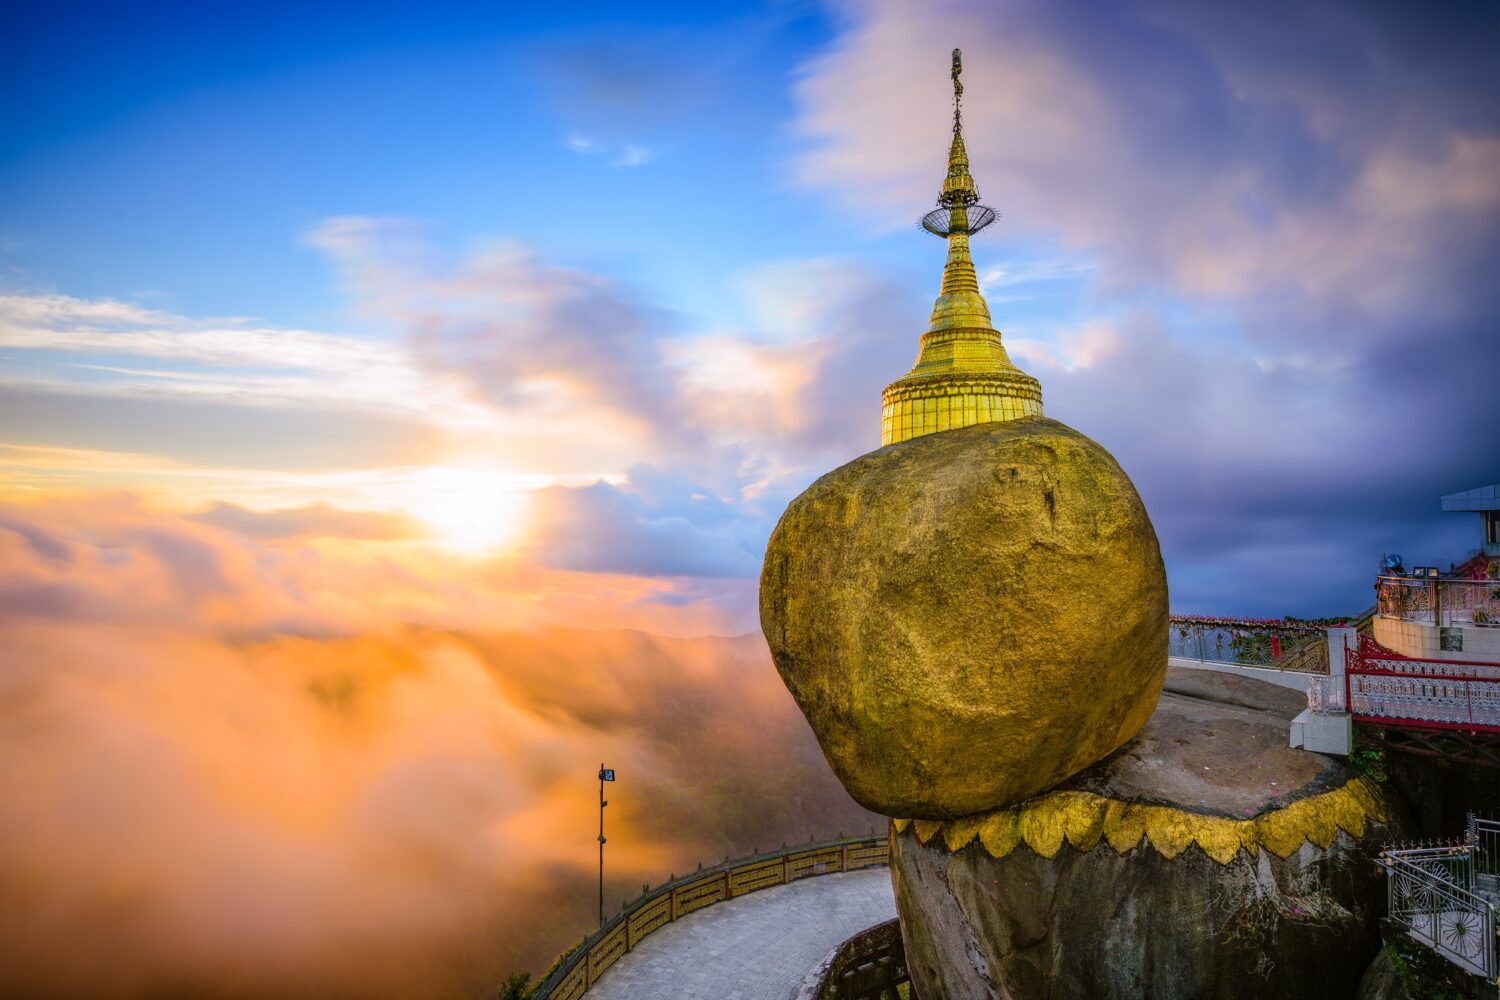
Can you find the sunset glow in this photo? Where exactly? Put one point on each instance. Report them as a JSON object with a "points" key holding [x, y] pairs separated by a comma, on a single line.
{"points": [[396, 401], [469, 510]]}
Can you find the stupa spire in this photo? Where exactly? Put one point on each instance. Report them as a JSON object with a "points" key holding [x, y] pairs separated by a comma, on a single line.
{"points": [[963, 375], [958, 186]]}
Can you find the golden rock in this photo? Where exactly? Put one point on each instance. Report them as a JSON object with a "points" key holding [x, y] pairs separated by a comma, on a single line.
{"points": [[967, 618], [978, 610]]}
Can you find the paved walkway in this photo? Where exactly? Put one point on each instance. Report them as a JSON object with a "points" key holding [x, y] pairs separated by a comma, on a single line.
{"points": [[757, 947]]}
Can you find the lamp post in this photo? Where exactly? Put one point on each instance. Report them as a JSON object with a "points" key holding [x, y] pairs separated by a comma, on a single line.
{"points": [[605, 774]]}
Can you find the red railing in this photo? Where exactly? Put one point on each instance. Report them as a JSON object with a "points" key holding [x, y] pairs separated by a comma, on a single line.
{"points": [[1385, 687]]}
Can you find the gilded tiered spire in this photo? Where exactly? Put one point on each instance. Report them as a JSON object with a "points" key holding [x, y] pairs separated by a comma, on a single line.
{"points": [[962, 375]]}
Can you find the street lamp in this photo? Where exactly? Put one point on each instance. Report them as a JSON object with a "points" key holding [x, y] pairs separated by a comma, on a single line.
{"points": [[605, 774]]}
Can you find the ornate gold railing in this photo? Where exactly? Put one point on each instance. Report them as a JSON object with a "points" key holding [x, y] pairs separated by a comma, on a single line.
{"points": [[580, 968], [1439, 600]]}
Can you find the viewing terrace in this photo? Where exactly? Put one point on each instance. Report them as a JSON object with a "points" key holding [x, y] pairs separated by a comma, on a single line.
{"points": [[1443, 706], [766, 931]]}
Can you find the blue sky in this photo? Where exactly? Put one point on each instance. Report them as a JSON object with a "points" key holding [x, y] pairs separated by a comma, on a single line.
{"points": [[163, 153], [640, 273], [184, 167]]}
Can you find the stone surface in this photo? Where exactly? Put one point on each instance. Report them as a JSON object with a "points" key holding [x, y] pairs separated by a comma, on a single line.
{"points": [[1079, 909], [1381, 981], [752, 947], [967, 618], [1232, 689]]}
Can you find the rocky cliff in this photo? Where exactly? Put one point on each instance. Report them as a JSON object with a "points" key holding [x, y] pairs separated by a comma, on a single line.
{"points": [[1203, 859]]}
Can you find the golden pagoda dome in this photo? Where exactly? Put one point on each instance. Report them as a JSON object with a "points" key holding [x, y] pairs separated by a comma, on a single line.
{"points": [[962, 375]]}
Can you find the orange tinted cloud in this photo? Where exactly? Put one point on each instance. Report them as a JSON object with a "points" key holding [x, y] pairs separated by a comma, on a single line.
{"points": [[228, 769]]}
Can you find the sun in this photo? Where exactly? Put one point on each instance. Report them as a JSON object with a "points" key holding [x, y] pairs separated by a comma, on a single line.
{"points": [[469, 510]]}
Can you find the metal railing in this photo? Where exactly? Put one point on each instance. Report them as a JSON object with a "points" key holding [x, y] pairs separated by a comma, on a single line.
{"points": [[1385, 687], [1438, 601], [1276, 644], [1484, 837], [871, 965], [581, 967], [1438, 894]]}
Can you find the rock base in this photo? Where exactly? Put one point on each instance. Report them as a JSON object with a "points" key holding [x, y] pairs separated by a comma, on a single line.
{"points": [[1203, 859]]}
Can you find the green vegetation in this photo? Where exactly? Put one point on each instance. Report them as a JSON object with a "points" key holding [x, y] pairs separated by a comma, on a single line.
{"points": [[1369, 756], [1423, 975], [518, 987]]}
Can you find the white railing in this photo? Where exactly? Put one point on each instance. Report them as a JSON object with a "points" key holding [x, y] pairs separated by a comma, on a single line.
{"points": [[1432, 893], [1484, 836], [1325, 695], [1459, 702], [1386, 686]]}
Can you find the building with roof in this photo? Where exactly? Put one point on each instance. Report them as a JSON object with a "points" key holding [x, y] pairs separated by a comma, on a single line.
{"points": [[1455, 615]]}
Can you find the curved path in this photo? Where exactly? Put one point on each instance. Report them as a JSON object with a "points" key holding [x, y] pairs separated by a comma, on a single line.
{"points": [[756, 947]]}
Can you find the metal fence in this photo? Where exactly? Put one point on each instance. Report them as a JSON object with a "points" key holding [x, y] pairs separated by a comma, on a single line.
{"points": [[1383, 686], [1441, 895], [1434, 601], [582, 966], [1273, 643], [1484, 835], [871, 965]]}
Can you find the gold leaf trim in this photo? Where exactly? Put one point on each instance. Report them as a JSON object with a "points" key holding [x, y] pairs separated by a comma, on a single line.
{"points": [[1083, 819]]}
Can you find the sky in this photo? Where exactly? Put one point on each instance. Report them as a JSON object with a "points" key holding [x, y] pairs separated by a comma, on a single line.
{"points": [[362, 366], [601, 293]]}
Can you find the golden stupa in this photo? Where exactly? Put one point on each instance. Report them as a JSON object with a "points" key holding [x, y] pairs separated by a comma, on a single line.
{"points": [[963, 375]]}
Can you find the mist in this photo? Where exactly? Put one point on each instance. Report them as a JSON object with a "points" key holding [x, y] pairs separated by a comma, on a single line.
{"points": [[266, 794]]}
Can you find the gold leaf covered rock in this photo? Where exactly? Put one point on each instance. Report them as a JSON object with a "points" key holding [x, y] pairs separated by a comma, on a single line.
{"points": [[967, 618]]}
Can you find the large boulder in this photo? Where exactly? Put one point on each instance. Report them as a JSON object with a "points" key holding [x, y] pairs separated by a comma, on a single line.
{"points": [[969, 617], [1204, 859]]}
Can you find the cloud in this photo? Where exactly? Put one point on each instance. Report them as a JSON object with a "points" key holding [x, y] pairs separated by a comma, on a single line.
{"points": [[995, 278], [634, 79], [627, 154], [577, 378], [581, 362], [634, 155], [520, 331], [230, 769], [110, 560], [223, 358], [584, 144], [311, 521], [605, 529], [209, 431], [1177, 148], [1287, 217], [1273, 488], [102, 375]]}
